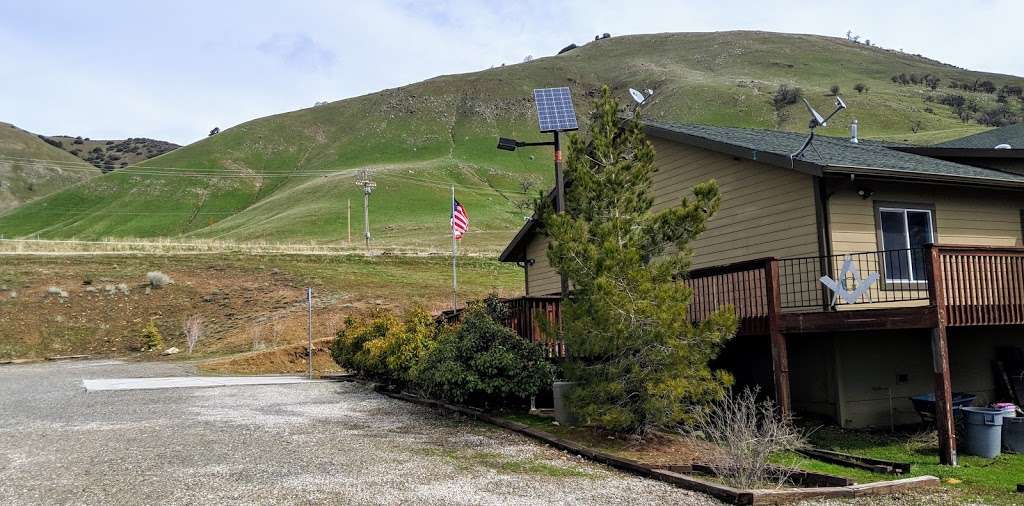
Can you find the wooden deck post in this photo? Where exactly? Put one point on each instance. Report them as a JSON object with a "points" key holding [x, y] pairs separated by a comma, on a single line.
{"points": [[940, 360], [780, 354]]}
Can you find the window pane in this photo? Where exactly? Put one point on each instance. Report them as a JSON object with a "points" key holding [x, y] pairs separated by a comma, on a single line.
{"points": [[920, 234], [894, 237], [894, 230], [920, 228]]}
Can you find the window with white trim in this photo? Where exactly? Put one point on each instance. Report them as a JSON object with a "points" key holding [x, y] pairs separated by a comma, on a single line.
{"points": [[904, 233]]}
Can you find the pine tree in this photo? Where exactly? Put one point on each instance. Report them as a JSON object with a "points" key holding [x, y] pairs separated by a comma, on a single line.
{"points": [[637, 360]]}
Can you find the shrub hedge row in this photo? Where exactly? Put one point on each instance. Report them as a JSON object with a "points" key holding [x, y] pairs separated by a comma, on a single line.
{"points": [[479, 361]]}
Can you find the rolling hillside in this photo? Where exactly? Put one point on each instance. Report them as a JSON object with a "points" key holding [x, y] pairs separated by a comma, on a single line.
{"points": [[108, 155], [31, 168], [288, 177]]}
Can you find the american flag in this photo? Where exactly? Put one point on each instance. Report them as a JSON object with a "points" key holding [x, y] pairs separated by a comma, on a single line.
{"points": [[460, 220]]}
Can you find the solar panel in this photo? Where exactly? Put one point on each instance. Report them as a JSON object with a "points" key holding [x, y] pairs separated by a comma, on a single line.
{"points": [[555, 112]]}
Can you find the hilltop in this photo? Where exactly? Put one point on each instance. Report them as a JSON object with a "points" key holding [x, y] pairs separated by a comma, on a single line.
{"points": [[30, 168], [107, 154], [289, 176]]}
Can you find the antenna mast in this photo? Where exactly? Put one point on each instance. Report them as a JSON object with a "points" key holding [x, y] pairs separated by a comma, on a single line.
{"points": [[364, 180]]}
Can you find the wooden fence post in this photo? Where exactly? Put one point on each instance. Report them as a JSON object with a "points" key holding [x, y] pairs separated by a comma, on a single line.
{"points": [[780, 354], [940, 361]]}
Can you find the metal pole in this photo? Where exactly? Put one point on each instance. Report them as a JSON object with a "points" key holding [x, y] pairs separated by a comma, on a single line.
{"points": [[559, 178], [560, 200], [309, 333], [455, 272], [366, 219], [349, 222]]}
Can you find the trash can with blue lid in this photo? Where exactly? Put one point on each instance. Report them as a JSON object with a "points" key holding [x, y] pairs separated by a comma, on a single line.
{"points": [[984, 431]]}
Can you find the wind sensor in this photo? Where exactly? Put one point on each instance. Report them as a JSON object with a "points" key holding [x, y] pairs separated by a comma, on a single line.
{"points": [[816, 121]]}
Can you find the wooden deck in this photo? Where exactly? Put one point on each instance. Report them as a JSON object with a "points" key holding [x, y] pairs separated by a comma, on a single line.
{"points": [[925, 288], [979, 286]]}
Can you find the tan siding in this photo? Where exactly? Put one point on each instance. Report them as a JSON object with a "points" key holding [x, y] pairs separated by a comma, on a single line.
{"points": [[963, 216], [542, 279], [766, 211]]}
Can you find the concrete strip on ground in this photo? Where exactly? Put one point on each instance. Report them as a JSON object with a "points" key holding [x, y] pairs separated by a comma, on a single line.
{"points": [[95, 385]]}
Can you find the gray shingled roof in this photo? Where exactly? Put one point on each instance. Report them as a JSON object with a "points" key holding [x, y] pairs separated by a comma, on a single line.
{"points": [[989, 139], [835, 154]]}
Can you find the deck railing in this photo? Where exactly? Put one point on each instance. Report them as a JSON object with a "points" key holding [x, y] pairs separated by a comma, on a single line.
{"points": [[979, 286], [894, 277], [982, 285], [533, 318], [744, 285]]}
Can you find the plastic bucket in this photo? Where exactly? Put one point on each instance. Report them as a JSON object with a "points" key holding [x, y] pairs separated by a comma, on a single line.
{"points": [[984, 431], [560, 391], [1013, 434]]}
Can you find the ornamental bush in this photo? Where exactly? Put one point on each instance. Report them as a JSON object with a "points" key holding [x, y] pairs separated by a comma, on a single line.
{"points": [[483, 362], [384, 346]]}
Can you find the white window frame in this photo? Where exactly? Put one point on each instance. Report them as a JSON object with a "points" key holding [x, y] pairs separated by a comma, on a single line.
{"points": [[906, 230]]}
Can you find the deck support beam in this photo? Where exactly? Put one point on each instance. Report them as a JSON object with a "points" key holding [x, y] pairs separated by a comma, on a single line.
{"points": [[940, 362], [780, 352]]}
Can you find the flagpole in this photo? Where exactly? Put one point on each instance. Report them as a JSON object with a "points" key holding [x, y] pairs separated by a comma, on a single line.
{"points": [[455, 275]]}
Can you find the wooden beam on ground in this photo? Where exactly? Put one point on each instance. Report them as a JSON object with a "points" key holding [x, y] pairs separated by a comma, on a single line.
{"points": [[940, 362]]}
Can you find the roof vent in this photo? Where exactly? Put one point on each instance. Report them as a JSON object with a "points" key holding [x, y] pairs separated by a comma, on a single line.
{"points": [[853, 132], [1004, 146]]}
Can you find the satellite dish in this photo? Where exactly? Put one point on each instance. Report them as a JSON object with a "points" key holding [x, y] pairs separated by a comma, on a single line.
{"points": [[1004, 146], [816, 119], [637, 96]]}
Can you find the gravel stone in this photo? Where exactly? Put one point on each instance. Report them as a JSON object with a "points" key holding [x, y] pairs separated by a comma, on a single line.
{"points": [[323, 443]]}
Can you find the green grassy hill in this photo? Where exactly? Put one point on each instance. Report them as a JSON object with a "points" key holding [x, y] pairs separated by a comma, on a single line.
{"points": [[288, 177], [30, 168]]}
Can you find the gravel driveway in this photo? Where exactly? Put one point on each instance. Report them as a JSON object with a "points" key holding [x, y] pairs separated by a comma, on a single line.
{"points": [[334, 443]]}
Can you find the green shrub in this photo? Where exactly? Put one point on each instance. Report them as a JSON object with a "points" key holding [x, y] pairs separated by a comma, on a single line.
{"points": [[383, 346], [151, 338], [483, 362]]}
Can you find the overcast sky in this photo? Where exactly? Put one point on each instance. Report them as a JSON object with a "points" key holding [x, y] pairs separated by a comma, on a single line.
{"points": [[173, 70]]}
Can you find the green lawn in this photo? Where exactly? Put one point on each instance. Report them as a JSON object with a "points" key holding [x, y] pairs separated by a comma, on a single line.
{"points": [[976, 479]]}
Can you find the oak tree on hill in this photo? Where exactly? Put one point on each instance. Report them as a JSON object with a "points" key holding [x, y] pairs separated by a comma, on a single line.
{"points": [[637, 360]]}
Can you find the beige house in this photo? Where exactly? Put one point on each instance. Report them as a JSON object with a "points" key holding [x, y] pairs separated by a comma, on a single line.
{"points": [[942, 239]]}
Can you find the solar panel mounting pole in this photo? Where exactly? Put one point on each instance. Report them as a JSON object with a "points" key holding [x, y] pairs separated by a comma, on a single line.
{"points": [[560, 199]]}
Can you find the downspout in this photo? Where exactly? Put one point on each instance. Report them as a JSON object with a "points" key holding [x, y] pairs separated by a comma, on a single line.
{"points": [[824, 230]]}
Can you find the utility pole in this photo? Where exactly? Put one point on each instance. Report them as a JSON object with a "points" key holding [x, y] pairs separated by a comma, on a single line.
{"points": [[349, 222], [368, 186]]}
